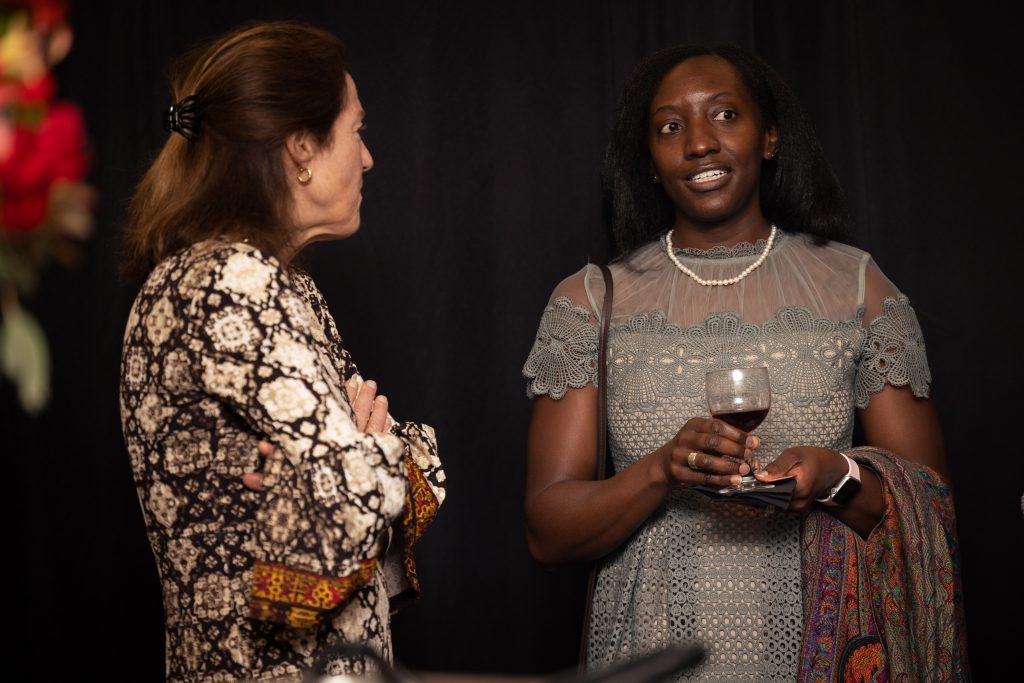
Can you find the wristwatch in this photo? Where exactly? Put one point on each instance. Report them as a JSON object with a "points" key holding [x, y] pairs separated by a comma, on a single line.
{"points": [[846, 488]]}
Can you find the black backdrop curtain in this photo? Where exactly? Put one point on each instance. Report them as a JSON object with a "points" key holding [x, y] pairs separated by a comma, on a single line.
{"points": [[487, 122]]}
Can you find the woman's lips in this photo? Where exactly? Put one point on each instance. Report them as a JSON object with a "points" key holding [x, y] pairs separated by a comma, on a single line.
{"points": [[709, 179]]}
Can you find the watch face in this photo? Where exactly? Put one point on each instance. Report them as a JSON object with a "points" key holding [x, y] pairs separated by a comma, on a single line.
{"points": [[846, 490]]}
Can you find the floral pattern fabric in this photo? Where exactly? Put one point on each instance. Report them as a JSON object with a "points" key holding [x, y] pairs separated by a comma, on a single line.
{"points": [[661, 359], [566, 351], [224, 347]]}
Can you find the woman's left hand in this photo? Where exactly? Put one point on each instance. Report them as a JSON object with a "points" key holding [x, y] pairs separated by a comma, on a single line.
{"points": [[371, 415], [816, 470], [370, 408]]}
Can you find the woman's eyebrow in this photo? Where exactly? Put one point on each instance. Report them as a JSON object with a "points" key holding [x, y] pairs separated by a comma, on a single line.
{"points": [[717, 96]]}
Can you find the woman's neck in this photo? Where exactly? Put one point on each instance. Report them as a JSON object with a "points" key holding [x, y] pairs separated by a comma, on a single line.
{"points": [[706, 237]]}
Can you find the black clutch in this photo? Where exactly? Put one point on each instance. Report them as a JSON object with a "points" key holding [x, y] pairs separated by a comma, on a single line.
{"points": [[776, 493]]}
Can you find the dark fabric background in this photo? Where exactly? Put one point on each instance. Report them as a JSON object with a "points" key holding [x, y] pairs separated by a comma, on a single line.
{"points": [[487, 122]]}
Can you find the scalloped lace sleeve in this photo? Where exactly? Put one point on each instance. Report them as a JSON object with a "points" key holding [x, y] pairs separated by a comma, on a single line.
{"points": [[564, 353], [894, 352]]}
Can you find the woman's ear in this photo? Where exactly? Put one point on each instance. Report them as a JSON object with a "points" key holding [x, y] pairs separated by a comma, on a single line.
{"points": [[300, 148]]}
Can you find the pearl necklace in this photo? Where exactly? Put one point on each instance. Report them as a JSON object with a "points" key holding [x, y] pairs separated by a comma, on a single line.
{"points": [[716, 283]]}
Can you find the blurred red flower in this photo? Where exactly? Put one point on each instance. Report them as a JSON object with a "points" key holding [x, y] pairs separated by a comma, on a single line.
{"points": [[45, 207], [38, 158]]}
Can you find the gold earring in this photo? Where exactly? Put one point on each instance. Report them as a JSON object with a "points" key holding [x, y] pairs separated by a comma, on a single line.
{"points": [[304, 175]]}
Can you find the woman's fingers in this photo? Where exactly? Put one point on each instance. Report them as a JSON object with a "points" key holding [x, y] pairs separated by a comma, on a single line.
{"points": [[371, 410], [713, 452], [780, 467], [378, 415], [253, 480], [705, 462], [814, 468], [693, 468], [708, 479], [362, 406], [352, 388], [715, 436]]}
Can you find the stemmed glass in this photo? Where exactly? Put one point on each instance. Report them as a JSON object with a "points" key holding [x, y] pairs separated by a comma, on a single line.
{"points": [[740, 397]]}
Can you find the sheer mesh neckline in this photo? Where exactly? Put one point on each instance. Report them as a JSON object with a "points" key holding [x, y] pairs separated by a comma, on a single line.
{"points": [[738, 250]]}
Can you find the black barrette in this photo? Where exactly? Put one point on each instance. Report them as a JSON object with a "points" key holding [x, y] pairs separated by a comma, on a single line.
{"points": [[183, 118]]}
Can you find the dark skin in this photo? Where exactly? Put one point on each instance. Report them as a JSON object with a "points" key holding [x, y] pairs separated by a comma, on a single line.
{"points": [[707, 144]]}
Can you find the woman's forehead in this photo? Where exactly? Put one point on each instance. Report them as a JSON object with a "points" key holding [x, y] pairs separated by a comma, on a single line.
{"points": [[701, 73]]}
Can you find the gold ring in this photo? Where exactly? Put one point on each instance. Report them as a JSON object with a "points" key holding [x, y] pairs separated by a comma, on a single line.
{"points": [[691, 460]]}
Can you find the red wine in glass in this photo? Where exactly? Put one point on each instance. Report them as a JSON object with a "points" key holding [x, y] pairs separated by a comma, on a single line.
{"points": [[741, 397], [747, 420]]}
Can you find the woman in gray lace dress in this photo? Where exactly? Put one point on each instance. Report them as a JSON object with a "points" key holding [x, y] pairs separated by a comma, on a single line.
{"points": [[227, 344], [724, 211]]}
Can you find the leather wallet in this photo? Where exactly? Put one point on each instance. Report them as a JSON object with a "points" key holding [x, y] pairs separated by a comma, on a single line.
{"points": [[778, 495]]}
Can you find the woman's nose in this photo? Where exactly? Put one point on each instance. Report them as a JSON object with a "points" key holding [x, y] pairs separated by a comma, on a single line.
{"points": [[367, 158], [701, 140]]}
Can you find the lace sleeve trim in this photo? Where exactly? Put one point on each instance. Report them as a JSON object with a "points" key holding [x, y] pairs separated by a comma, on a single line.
{"points": [[564, 353], [894, 353]]}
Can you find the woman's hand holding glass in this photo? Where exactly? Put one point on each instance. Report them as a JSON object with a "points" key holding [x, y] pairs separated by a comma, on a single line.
{"points": [[707, 451], [370, 413]]}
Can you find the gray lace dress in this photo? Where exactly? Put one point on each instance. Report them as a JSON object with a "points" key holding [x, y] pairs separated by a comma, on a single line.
{"points": [[831, 329]]}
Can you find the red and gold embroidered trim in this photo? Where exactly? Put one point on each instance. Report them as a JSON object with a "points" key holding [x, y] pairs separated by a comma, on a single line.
{"points": [[420, 509], [299, 598]]}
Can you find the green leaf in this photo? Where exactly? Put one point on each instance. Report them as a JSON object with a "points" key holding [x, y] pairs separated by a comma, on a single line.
{"points": [[25, 358]]}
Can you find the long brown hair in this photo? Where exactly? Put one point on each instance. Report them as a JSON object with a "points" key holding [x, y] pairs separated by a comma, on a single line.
{"points": [[253, 87]]}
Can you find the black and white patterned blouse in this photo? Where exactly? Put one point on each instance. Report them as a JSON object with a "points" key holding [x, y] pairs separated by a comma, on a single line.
{"points": [[225, 347]]}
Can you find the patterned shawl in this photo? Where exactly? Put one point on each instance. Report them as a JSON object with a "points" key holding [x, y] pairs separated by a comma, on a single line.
{"points": [[889, 608]]}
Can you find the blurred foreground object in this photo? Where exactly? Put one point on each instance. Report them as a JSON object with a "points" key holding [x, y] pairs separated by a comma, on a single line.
{"points": [[45, 208], [660, 666], [353, 657]]}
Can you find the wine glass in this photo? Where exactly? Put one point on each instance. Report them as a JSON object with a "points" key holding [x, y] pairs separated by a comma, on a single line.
{"points": [[740, 397]]}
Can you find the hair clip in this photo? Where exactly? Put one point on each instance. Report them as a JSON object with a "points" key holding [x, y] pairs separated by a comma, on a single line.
{"points": [[183, 118]]}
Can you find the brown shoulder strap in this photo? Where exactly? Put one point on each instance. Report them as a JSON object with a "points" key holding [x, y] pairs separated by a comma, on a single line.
{"points": [[602, 373], [602, 442]]}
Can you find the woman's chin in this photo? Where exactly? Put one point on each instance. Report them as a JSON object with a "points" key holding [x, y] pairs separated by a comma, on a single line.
{"points": [[329, 232]]}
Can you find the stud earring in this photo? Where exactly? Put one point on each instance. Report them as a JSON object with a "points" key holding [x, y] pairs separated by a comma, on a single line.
{"points": [[657, 180], [304, 175]]}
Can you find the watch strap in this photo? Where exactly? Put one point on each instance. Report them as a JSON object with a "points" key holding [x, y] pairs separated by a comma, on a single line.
{"points": [[849, 480]]}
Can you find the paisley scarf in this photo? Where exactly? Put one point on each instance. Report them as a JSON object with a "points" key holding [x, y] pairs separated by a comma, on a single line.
{"points": [[889, 608]]}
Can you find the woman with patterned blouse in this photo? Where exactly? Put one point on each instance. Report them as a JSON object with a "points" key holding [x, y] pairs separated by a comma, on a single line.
{"points": [[723, 209], [228, 344]]}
